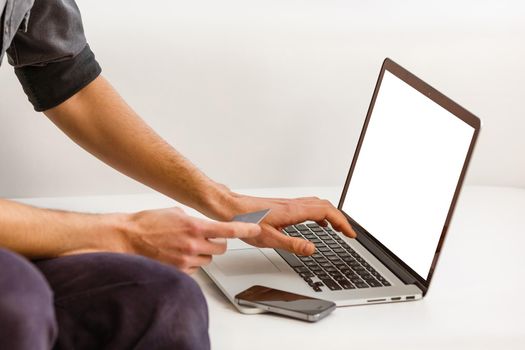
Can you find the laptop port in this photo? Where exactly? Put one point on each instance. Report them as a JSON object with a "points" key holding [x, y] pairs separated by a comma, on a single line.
{"points": [[412, 297], [395, 298], [375, 300]]}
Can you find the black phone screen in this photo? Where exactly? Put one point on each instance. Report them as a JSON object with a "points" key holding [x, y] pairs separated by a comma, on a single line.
{"points": [[284, 300]]}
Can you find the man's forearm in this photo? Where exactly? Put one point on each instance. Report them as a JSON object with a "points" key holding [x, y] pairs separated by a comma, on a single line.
{"points": [[41, 233], [99, 120]]}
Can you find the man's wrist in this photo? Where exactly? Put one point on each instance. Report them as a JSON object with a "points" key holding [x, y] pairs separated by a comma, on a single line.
{"points": [[222, 203], [110, 233]]}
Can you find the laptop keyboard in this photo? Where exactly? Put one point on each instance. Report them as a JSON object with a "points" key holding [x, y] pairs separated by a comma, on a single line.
{"points": [[334, 264]]}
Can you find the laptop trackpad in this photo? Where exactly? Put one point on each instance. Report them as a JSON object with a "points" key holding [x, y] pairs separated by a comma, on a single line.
{"points": [[244, 262]]}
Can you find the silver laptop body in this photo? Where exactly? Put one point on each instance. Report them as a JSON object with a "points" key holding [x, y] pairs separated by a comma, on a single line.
{"points": [[399, 196]]}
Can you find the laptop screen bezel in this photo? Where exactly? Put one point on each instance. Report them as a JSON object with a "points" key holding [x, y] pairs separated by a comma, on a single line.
{"points": [[392, 261]]}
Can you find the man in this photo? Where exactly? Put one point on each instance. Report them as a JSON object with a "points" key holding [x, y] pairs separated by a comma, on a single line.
{"points": [[114, 281]]}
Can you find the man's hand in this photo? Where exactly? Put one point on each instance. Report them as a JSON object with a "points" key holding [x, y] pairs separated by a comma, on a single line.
{"points": [[173, 237], [287, 212]]}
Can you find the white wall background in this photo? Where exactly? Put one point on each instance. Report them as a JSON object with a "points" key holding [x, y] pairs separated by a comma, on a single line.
{"points": [[274, 92]]}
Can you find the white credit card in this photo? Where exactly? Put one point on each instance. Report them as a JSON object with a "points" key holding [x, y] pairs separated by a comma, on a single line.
{"points": [[252, 218]]}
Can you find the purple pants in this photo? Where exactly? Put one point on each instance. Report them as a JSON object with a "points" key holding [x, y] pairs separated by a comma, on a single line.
{"points": [[99, 301]]}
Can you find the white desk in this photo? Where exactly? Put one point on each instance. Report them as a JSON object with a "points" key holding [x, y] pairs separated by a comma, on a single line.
{"points": [[474, 302]]}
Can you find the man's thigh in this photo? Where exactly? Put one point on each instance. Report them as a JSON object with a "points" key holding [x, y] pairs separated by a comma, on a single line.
{"points": [[27, 316], [118, 301]]}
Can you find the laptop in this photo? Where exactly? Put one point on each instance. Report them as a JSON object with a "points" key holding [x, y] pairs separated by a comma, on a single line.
{"points": [[399, 195]]}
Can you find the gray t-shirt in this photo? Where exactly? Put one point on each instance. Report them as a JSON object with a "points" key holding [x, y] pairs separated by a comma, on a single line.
{"points": [[45, 42]]}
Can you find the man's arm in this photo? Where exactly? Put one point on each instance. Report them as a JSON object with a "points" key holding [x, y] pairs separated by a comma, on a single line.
{"points": [[99, 120], [42, 233]]}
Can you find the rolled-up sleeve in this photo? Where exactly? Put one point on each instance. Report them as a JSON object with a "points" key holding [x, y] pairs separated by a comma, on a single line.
{"points": [[51, 56]]}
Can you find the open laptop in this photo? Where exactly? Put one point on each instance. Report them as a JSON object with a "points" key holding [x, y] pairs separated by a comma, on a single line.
{"points": [[399, 196]]}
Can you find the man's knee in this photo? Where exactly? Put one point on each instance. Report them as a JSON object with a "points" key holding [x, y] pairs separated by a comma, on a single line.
{"points": [[27, 319], [182, 317], [179, 313]]}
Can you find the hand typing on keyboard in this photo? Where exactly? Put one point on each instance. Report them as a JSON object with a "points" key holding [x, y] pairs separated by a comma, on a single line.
{"points": [[335, 265], [286, 212]]}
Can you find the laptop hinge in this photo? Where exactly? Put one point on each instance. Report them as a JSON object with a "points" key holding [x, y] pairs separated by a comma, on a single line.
{"points": [[403, 273]]}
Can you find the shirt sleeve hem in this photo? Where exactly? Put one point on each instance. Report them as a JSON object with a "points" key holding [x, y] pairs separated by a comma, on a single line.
{"points": [[52, 84]]}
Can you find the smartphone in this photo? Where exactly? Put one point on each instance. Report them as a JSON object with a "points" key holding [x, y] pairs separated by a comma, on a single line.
{"points": [[285, 303]]}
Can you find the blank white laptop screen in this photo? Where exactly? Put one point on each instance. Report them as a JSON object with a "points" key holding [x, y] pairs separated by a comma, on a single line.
{"points": [[407, 171]]}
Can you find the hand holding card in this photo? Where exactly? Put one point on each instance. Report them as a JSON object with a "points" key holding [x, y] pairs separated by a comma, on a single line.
{"points": [[252, 218]]}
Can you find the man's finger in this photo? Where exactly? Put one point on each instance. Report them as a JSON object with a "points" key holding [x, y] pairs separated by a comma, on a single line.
{"points": [[322, 212], [278, 239], [212, 229], [336, 219], [214, 246]]}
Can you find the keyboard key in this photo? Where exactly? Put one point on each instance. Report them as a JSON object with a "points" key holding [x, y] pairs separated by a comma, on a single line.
{"points": [[339, 250], [368, 277], [346, 284], [374, 283], [306, 274], [355, 279], [334, 273], [324, 249], [289, 258], [361, 285], [317, 289], [290, 229], [332, 285], [382, 280], [339, 278], [301, 268], [312, 225], [319, 244]]}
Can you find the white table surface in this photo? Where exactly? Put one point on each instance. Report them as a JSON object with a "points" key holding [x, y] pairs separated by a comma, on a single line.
{"points": [[475, 300]]}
